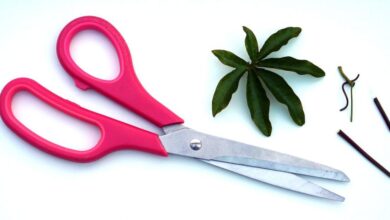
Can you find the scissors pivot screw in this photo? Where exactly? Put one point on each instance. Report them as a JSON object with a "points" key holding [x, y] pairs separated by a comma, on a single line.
{"points": [[195, 144]]}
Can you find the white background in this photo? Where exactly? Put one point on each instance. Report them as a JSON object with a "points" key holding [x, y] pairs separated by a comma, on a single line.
{"points": [[170, 42]]}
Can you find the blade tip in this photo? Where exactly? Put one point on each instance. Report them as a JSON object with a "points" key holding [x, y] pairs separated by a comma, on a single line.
{"points": [[332, 196], [339, 199], [344, 177]]}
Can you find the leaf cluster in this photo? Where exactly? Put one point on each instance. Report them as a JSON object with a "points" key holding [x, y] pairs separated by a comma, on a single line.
{"points": [[261, 78]]}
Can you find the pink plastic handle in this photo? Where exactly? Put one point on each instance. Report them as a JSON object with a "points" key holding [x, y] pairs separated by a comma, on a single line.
{"points": [[115, 135], [126, 88]]}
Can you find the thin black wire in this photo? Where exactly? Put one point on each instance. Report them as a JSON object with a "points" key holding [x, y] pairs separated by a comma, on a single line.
{"points": [[345, 93]]}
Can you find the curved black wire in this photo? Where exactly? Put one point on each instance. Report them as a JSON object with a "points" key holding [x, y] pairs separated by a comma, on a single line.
{"points": [[345, 93]]}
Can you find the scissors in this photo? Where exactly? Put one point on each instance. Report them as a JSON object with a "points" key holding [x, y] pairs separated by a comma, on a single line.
{"points": [[264, 165]]}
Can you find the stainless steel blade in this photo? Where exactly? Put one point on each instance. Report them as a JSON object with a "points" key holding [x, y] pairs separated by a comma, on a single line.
{"points": [[280, 179], [183, 141]]}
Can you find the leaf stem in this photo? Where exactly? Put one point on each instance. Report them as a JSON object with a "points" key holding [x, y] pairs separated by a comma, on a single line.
{"points": [[363, 153], [345, 76], [345, 95], [351, 83], [351, 104]]}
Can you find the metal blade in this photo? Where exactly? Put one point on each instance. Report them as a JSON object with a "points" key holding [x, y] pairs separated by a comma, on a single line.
{"points": [[187, 142], [280, 179]]}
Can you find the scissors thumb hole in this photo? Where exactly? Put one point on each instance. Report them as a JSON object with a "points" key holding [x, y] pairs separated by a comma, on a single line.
{"points": [[95, 54], [125, 88], [54, 125]]}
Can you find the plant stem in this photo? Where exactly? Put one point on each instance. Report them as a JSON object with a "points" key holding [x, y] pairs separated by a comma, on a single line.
{"points": [[382, 112], [351, 83], [364, 153], [345, 76], [351, 104]]}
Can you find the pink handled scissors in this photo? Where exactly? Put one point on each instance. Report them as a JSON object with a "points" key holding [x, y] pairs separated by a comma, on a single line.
{"points": [[261, 164]]}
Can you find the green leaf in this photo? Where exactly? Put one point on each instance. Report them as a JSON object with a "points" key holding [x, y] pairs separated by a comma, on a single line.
{"points": [[258, 104], [284, 94], [251, 44], [278, 40], [230, 59], [225, 89], [260, 78], [291, 64]]}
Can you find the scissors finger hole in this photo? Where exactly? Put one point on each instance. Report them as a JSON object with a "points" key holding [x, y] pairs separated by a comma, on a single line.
{"points": [[95, 54], [52, 124]]}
